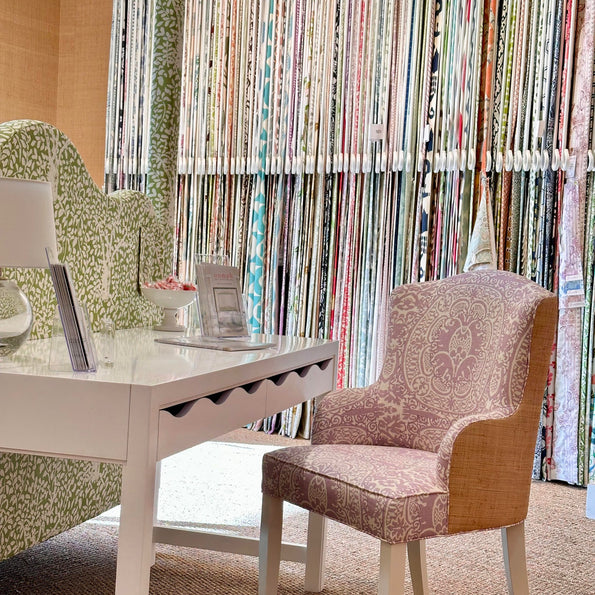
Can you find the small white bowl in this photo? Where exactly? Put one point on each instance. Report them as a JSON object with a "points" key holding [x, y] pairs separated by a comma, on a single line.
{"points": [[169, 298]]}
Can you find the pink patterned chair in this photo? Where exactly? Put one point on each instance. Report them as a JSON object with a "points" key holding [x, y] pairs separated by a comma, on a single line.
{"points": [[441, 444]]}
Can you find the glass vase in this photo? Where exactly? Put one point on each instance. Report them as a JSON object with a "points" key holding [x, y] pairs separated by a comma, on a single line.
{"points": [[16, 317]]}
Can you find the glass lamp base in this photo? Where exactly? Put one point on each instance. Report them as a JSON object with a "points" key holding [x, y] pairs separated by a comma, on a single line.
{"points": [[16, 317]]}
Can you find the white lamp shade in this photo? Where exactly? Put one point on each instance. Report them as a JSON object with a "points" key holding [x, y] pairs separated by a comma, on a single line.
{"points": [[26, 223]]}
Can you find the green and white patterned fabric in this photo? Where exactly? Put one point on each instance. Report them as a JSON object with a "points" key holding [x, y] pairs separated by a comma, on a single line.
{"points": [[110, 243]]}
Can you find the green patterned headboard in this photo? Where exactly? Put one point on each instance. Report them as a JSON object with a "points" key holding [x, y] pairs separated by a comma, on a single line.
{"points": [[108, 241]]}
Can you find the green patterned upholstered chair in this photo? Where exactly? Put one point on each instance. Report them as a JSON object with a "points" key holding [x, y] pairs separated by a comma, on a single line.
{"points": [[109, 242]]}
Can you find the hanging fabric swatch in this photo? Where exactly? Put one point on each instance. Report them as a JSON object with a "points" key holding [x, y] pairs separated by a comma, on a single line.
{"points": [[333, 150]]}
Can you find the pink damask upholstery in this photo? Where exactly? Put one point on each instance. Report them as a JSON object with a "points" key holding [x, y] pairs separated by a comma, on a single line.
{"points": [[370, 488], [455, 348], [461, 387]]}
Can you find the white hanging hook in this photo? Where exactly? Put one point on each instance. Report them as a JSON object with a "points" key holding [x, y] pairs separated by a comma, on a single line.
{"points": [[320, 165], [420, 161], [357, 161], [555, 160], [564, 160], [442, 160], [488, 161], [401, 161], [536, 162], [509, 163], [471, 161]]}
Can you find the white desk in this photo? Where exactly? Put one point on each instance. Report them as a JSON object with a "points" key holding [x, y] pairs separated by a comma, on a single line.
{"points": [[155, 401]]}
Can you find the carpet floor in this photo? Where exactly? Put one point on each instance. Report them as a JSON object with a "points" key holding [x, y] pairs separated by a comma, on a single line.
{"points": [[217, 486]]}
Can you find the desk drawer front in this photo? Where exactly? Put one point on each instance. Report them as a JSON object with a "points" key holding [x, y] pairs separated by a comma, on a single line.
{"points": [[205, 418], [208, 417], [299, 385], [64, 418]]}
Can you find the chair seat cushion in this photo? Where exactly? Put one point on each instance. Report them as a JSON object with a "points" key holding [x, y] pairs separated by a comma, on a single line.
{"points": [[388, 492]]}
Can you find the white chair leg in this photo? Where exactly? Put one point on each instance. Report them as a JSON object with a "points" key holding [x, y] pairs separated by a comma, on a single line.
{"points": [[392, 569], [315, 553], [416, 552], [271, 526], [515, 560]]}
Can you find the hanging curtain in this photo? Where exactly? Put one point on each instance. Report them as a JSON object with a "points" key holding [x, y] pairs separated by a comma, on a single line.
{"points": [[334, 150]]}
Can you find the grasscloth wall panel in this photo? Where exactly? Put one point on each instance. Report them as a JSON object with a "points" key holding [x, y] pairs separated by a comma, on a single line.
{"points": [[85, 29], [54, 61], [29, 49]]}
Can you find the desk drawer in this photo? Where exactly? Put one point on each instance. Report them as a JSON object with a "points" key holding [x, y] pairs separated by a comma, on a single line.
{"points": [[64, 418], [205, 418], [297, 386]]}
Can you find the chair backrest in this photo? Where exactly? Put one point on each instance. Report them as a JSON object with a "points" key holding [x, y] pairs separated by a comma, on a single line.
{"points": [[455, 347], [108, 241]]}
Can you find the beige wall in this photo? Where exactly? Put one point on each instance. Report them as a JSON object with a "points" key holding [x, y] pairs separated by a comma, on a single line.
{"points": [[85, 29], [29, 48], [54, 60]]}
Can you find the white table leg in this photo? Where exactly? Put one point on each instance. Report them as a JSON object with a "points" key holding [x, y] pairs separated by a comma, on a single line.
{"points": [[155, 507], [135, 540], [271, 528]]}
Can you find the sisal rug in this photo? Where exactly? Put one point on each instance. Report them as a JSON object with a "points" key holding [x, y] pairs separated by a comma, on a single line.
{"points": [[217, 486]]}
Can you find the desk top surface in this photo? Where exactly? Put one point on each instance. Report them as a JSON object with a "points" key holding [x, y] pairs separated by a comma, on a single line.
{"points": [[139, 360]]}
